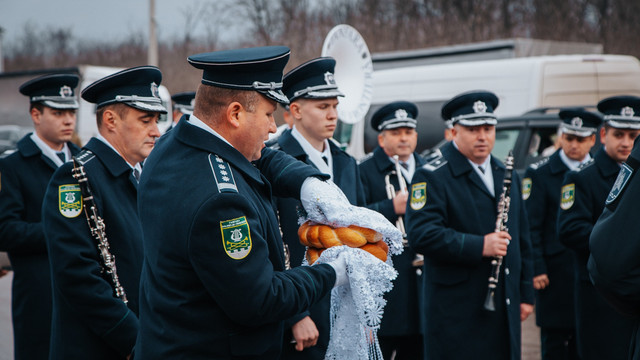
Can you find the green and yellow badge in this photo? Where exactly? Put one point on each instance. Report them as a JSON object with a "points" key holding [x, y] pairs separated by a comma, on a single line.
{"points": [[526, 188], [418, 195], [568, 196], [236, 237], [69, 200]]}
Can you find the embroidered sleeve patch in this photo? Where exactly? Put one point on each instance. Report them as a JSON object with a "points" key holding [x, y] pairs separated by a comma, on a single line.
{"points": [[568, 196], [526, 188], [236, 237], [621, 182], [69, 200], [418, 195]]}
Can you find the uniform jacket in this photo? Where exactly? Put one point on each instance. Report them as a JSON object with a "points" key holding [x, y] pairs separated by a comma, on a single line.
{"points": [[347, 177], [449, 230], [89, 322], [199, 302], [601, 331], [541, 184], [401, 312], [24, 176], [614, 264]]}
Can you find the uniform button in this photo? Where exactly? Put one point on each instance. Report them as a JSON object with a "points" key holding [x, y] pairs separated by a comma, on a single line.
{"points": [[506, 271], [508, 301]]}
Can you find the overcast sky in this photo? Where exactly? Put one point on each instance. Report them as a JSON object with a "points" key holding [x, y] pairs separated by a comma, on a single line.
{"points": [[96, 19]]}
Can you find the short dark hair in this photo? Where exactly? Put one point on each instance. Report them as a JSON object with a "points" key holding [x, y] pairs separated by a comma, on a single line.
{"points": [[118, 108], [213, 99], [37, 105]]}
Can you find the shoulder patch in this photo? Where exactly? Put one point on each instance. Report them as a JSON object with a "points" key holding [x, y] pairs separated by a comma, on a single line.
{"points": [[435, 163], [418, 195], [539, 163], [526, 188], [222, 174], [236, 237], [586, 164], [621, 181], [69, 200], [568, 196]]}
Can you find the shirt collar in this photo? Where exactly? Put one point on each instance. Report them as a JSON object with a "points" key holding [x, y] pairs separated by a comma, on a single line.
{"points": [[104, 140], [314, 155], [193, 120], [573, 164], [48, 151]]}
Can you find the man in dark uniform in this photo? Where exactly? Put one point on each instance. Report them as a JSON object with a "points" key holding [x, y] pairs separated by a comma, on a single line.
{"points": [[396, 124], [553, 262], [24, 176], [89, 322], [313, 96], [602, 333], [214, 283], [182, 104], [615, 249], [451, 219]]}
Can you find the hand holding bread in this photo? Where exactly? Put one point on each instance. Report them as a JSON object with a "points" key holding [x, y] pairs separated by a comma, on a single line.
{"points": [[318, 237]]}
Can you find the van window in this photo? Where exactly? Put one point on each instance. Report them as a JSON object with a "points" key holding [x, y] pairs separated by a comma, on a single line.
{"points": [[505, 141], [342, 134]]}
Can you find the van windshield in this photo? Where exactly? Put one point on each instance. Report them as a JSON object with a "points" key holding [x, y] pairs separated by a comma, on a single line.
{"points": [[505, 141]]}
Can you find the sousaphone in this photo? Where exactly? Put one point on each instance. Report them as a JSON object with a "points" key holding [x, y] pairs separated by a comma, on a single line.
{"points": [[353, 71]]}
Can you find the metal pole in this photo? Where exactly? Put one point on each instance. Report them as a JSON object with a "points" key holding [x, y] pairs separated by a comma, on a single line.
{"points": [[152, 55]]}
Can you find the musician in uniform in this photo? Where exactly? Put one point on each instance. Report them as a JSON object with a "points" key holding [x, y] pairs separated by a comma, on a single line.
{"points": [[451, 220], [554, 276], [89, 321], [396, 124], [182, 104], [601, 331], [214, 283], [24, 176], [614, 247], [313, 96]]}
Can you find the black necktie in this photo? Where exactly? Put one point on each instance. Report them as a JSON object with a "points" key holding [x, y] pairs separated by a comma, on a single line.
{"points": [[481, 169], [61, 156], [404, 165], [326, 161], [136, 174]]}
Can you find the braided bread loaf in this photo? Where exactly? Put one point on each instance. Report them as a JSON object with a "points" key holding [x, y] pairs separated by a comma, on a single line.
{"points": [[320, 237]]}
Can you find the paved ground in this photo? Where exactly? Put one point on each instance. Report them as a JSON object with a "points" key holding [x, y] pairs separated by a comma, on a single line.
{"points": [[6, 334], [530, 339], [530, 332]]}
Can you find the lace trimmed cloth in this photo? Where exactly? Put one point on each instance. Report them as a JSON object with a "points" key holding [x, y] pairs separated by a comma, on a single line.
{"points": [[357, 307]]}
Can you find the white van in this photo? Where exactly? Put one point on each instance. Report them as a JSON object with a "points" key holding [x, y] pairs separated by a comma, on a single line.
{"points": [[521, 84]]}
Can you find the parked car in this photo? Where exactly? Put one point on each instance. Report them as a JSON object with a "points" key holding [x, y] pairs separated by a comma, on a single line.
{"points": [[10, 135]]}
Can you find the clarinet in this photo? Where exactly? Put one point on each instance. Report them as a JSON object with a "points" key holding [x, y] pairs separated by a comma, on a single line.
{"points": [[501, 225], [97, 227]]}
